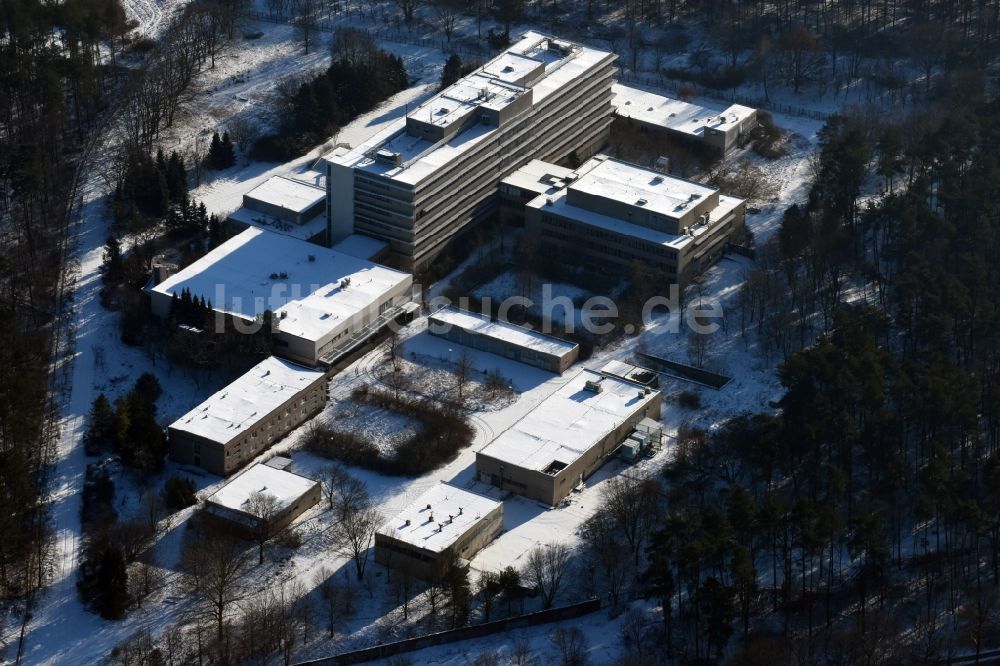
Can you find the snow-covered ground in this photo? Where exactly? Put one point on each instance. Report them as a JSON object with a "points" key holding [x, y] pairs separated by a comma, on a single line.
{"points": [[62, 631]]}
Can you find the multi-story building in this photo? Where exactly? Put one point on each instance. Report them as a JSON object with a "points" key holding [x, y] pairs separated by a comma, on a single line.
{"points": [[433, 174], [444, 526], [610, 214], [246, 417]]}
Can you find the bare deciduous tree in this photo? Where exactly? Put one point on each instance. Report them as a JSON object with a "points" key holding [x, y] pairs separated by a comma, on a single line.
{"points": [[463, 370], [571, 645], [631, 502], [306, 22], [263, 507], [354, 535], [344, 493], [545, 568], [152, 509], [521, 654], [408, 7], [215, 565], [243, 131], [746, 180]]}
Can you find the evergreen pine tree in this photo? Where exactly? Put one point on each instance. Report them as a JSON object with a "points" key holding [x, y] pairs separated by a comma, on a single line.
{"points": [[228, 152], [452, 71], [214, 159], [113, 260], [214, 230], [176, 178], [111, 583], [100, 435]]}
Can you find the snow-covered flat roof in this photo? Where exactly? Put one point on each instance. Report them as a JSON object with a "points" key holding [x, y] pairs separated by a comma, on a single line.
{"points": [[628, 183], [255, 218], [293, 195], [641, 187], [286, 487], [539, 177], [480, 324], [453, 512], [564, 62], [674, 114], [569, 422], [251, 397], [361, 246], [305, 285]]}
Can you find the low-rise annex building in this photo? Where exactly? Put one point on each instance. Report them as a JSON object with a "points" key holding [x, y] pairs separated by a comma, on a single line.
{"points": [[236, 503], [613, 214], [518, 343], [322, 300], [529, 181], [720, 130], [246, 417], [286, 205], [445, 525], [566, 437]]}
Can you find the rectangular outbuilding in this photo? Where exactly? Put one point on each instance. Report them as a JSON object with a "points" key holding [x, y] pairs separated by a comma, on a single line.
{"points": [[503, 339], [444, 525], [246, 417], [720, 130], [291, 206], [567, 437], [247, 499]]}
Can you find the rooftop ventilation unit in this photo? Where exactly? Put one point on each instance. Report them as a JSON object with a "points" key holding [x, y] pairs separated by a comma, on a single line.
{"points": [[508, 68], [548, 201], [641, 202], [662, 164], [592, 387], [389, 157]]}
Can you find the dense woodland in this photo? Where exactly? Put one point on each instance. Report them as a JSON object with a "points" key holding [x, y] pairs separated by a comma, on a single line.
{"points": [[858, 520], [53, 88]]}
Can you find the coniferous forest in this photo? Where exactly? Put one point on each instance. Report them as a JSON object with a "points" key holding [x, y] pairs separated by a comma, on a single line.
{"points": [[860, 521], [54, 86]]}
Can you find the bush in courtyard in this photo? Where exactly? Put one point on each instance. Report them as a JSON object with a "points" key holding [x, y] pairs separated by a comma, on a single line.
{"points": [[178, 493], [689, 399], [443, 433]]}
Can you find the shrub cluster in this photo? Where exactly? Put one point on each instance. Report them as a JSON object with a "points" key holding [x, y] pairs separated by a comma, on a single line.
{"points": [[129, 427], [767, 139], [443, 432]]}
